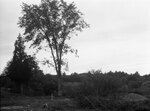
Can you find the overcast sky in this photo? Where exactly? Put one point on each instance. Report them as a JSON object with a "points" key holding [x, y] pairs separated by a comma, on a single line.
{"points": [[118, 38]]}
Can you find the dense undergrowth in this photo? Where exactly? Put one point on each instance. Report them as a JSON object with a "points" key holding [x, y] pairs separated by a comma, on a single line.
{"points": [[91, 90]]}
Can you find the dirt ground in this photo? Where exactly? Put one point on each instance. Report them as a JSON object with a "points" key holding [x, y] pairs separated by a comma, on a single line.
{"points": [[39, 104]]}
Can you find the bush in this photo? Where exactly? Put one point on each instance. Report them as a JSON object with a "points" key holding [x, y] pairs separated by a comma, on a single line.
{"points": [[50, 88], [93, 102], [100, 85], [70, 89], [94, 87]]}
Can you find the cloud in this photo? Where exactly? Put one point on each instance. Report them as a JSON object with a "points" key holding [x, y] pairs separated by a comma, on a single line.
{"points": [[6, 49]]}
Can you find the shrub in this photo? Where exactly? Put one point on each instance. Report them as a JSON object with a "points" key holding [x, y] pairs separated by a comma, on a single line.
{"points": [[93, 89], [50, 88], [100, 84], [70, 89]]}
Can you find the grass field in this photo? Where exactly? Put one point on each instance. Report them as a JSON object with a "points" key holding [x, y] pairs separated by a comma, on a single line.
{"points": [[23, 103], [17, 102], [44, 103]]}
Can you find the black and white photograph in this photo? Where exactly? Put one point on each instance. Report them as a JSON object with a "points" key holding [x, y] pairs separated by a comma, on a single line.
{"points": [[75, 55]]}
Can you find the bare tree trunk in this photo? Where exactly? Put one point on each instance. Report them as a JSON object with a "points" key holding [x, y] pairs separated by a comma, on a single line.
{"points": [[21, 88], [59, 87], [59, 78]]}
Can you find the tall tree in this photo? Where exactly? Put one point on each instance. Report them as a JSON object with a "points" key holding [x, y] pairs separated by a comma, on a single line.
{"points": [[52, 22], [20, 69]]}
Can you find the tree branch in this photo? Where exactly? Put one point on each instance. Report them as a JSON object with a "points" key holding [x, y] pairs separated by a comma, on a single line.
{"points": [[54, 59]]}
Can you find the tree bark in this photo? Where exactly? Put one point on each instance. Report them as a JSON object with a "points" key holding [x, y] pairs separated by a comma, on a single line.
{"points": [[21, 88], [59, 78]]}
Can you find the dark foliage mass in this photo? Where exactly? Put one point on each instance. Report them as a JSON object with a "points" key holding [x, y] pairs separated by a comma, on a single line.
{"points": [[105, 90], [104, 84], [93, 89], [92, 83], [22, 66]]}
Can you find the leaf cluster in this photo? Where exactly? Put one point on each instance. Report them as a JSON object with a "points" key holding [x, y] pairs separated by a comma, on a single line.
{"points": [[53, 21], [22, 66]]}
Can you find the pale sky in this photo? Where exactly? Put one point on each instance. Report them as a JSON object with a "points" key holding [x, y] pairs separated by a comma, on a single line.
{"points": [[118, 38]]}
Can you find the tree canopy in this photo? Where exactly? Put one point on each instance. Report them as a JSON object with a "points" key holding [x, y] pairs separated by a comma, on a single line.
{"points": [[22, 66], [53, 22]]}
